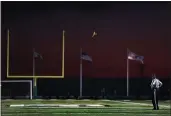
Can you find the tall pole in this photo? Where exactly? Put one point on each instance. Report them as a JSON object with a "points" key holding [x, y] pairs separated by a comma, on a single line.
{"points": [[8, 52], [80, 73], [63, 52], [127, 74], [34, 77], [31, 87]]}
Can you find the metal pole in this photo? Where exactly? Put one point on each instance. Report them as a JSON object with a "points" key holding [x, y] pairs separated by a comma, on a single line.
{"points": [[34, 78], [33, 62], [127, 74], [80, 73], [8, 52], [31, 92]]}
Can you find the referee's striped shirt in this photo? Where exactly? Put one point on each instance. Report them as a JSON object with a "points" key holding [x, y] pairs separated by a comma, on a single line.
{"points": [[156, 83]]}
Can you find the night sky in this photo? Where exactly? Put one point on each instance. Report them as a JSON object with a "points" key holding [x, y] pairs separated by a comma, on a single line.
{"points": [[143, 27]]}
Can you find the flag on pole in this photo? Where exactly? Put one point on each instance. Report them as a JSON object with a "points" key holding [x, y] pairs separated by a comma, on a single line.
{"points": [[133, 56], [94, 34], [36, 55], [85, 56]]}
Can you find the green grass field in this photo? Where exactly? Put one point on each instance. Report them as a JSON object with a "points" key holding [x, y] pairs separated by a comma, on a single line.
{"points": [[117, 108]]}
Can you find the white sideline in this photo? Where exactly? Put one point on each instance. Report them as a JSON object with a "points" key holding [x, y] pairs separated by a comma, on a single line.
{"points": [[144, 104]]}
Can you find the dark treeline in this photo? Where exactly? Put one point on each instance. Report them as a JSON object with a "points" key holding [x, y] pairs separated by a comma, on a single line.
{"points": [[91, 87]]}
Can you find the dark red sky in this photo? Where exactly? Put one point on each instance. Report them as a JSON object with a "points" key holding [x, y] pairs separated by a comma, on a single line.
{"points": [[143, 27]]}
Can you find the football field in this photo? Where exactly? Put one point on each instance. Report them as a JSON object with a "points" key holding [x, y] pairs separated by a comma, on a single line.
{"points": [[111, 108]]}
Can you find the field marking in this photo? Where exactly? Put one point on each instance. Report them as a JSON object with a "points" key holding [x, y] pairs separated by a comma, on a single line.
{"points": [[143, 104], [76, 113]]}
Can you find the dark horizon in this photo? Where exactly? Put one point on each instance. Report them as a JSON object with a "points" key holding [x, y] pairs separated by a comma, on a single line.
{"points": [[143, 27]]}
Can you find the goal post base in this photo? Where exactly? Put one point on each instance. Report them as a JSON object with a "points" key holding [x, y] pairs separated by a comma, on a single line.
{"points": [[34, 92]]}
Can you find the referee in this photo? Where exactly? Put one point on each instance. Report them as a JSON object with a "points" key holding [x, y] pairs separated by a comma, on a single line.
{"points": [[155, 86]]}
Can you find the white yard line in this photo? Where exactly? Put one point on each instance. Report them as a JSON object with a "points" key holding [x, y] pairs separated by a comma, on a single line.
{"points": [[143, 104], [8, 114]]}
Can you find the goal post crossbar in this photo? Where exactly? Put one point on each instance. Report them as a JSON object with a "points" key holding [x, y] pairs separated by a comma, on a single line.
{"points": [[34, 76], [21, 81]]}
